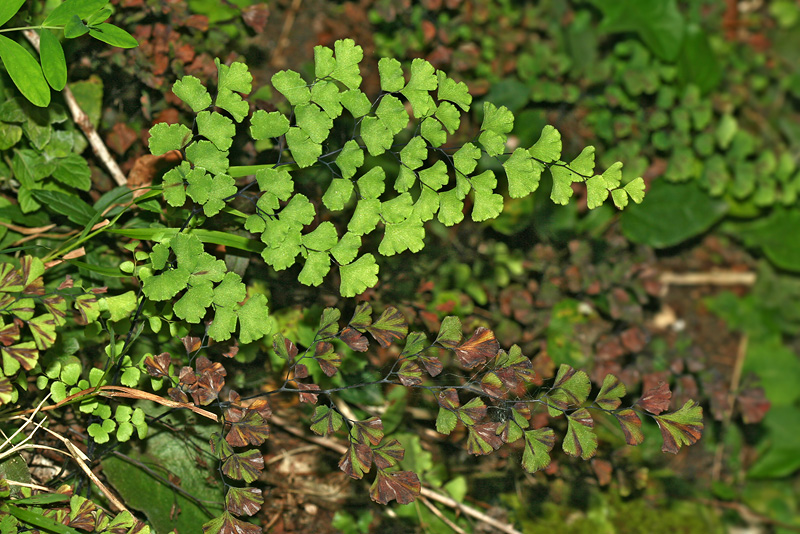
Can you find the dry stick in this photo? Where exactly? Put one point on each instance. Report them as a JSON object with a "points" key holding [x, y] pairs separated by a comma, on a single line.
{"points": [[717, 278], [741, 352], [441, 516], [82, 120], [425, 492], [283, 40]]}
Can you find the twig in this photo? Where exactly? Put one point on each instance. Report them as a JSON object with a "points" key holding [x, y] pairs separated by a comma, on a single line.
{"points": [[441, 516], [425, 492], [82, 120], [741, 353], [717, 278], [283, 40]]}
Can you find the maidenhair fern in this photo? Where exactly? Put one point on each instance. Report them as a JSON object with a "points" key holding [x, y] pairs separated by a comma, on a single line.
{"points": [[417, 180]]}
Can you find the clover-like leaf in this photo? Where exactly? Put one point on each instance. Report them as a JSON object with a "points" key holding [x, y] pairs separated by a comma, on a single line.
{"points": [[538, 444], [570, 388], [402, 486], [483, 438], [245, 466], [457, 93], [631, 426], [357, 460], [548, 148], [656, 399], [165, 137], [243, 501], [265, 125], [325, 420], [580, 440], [391, 75], [389, 326], [610, 393], [683, 427], [417, 91], [292, 86], [478, 349], [523, 173], [192, 92]]}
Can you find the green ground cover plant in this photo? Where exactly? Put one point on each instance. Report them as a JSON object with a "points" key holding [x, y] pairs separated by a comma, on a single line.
{"points": [[138, 314]]}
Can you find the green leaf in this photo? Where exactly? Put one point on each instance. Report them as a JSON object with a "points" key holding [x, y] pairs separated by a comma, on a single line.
{"points": [[299, 211], [265, 125], [538, 444], [659, 24], [391, 74], [523, 173], [398, 237], [325, 421], [371, 185], [635, 188], [254, 321], [499, 120], [348, 56], [165, 137], [110, 34], [276, 184], [392, 114], [436, 176], [466, 159], [217, 128], [426, 205], [488, 204], [80, 8], [562, 184], [450, 208], [631, 426], [610, 393], [580, 440], [192, 92], [71, 206], [313, 121], [315, 268], [365, 217], [571, 388], [322, 238], [446, 421], [234, 78], [8, 9], [350, 159], [683, 427], [54, 65], [449, 332], [596, 192], [548, 148], [431, 129], [355, 102], [397, 209], [304, 150], [75, 28], [457, 93], [346, 249], [414, 153], [326, 95], [449, 116], [25, 72], [376, 136], [358, 276], [74, 172], [583, 165], [493, 143], [338, 194], [671, 214], [421, 82]]}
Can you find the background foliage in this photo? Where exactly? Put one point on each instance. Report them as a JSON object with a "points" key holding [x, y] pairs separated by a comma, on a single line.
{"points": [[698, 99]]}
